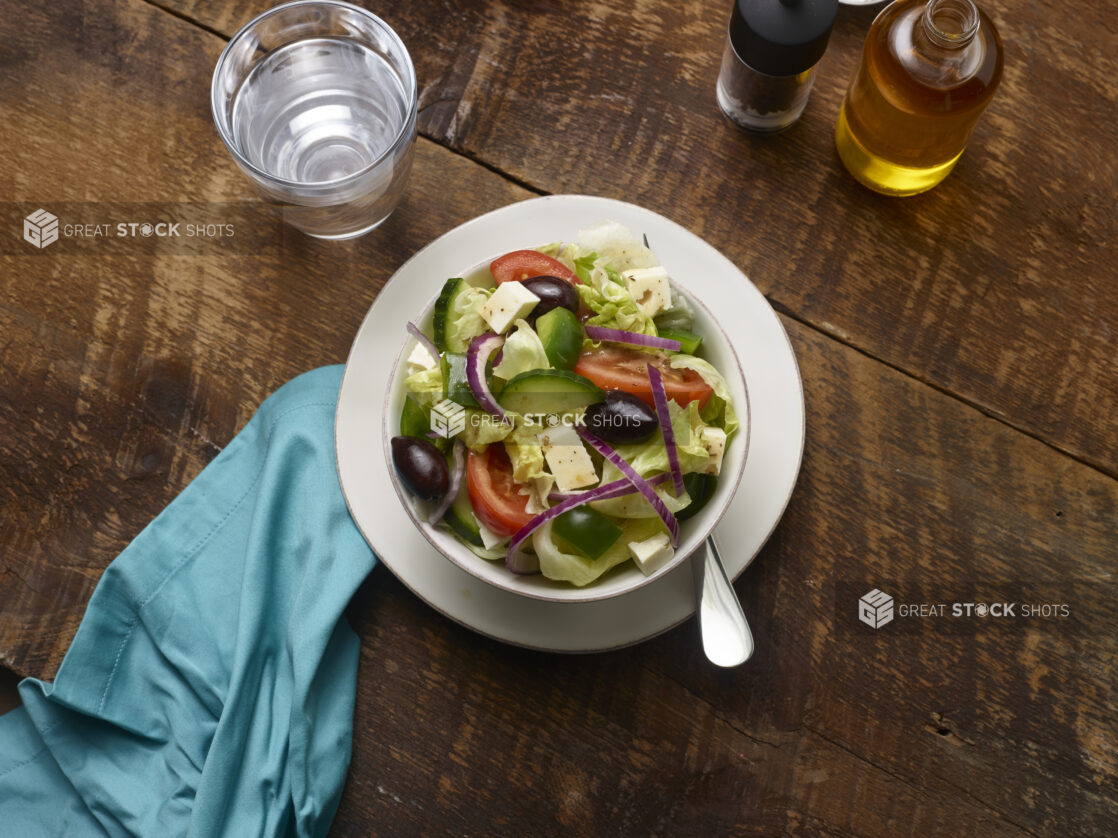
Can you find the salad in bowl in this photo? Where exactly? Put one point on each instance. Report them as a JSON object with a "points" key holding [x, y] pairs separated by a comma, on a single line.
{"points": [[565, 410]]}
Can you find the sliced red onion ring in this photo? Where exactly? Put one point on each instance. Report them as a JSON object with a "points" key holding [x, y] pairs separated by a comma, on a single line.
{"points": [[477, 355], [618, 488], [639, 482], [455, 483], [428, 344], [660, 398], [632, 338]]}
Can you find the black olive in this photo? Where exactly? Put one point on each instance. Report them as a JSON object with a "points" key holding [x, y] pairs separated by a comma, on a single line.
{"points": [[621, 418], [421, 466], [553, 293]]}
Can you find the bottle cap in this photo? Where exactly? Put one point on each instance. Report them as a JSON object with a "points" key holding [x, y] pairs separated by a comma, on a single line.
{"points": [[781, 37]]}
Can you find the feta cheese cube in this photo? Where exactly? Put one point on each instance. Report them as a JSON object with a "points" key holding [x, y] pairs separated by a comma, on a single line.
{"points": [[509, 302], [652, 553], [714, 441], [650, 287], [419, 359], [567, 458]]}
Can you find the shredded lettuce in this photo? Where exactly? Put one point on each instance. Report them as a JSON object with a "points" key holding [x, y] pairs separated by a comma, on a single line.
{"points": [[579, 570], [523, 351], [720, 409], [613, 305]]}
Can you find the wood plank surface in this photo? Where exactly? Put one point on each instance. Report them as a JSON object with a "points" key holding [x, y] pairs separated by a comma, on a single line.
{"points": [[998, 286], [124, 370], [941, 732]]}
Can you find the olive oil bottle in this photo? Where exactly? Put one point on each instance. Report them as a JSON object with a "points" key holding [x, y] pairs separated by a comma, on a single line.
{"points": [[928, 69]]}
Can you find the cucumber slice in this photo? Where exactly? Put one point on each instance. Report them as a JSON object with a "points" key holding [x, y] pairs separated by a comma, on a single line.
{"points": [[444, 305], [456, 386], [549, 391], [689, 342], [561, 335], [461, 519]]}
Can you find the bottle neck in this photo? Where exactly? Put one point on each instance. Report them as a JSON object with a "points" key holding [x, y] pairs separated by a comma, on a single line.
{"points": [[950, 24]]}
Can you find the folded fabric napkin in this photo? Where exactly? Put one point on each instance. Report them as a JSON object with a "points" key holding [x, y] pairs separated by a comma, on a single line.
{"points": [[210, 688]]}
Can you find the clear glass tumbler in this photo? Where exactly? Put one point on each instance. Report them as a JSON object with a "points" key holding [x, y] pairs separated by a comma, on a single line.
{"points": [[316, 100]]}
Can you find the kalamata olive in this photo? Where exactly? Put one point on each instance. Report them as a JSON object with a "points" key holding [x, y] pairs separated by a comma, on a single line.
{"points": [[621, 418], [421, 466], [553, 293]]}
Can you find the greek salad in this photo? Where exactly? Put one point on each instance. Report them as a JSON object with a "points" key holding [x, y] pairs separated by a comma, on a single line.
{"points": [[558, 411]]}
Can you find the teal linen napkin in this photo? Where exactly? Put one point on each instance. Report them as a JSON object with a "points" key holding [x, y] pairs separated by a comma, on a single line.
{"points": [[209, 690]]}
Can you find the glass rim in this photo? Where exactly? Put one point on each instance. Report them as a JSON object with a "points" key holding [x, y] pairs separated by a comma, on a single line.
{"points": [[409, 81]]}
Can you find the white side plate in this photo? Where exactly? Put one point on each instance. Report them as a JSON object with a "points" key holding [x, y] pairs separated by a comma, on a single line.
{"points": [[776, 415]]}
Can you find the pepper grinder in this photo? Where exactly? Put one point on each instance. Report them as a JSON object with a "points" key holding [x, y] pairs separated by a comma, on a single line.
{"points": [[768, 65]]}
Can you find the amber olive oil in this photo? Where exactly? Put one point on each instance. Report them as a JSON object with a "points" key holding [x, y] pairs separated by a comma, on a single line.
{"points": [[928, 70]]}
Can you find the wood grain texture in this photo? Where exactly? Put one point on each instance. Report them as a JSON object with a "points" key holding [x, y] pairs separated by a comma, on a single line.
{"points": [[124, 370], [831, 728], [997, 286]]}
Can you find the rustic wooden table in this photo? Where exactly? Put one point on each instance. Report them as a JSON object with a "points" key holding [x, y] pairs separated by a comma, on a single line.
{"points": [[958, 354]]}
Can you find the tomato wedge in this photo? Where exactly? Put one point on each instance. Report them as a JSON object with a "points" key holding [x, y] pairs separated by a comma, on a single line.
{"points": [[618, 368], [525, 264], [493, 494]]}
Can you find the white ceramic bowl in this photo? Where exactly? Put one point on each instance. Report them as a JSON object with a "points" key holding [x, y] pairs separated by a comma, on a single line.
{"points": [[626, 577]]}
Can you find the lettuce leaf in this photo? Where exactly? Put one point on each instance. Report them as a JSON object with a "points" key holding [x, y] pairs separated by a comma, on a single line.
{"points": [[523, 351], [481, 429], [649, 458], [527, 459], [617, 246], [579, 570], [425, 386], [720, 409], [464, 320], [678, 316], [634, 505], [613, 305]]}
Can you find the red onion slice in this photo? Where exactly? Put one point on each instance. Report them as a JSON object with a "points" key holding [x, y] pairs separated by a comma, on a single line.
{"points": [[455, 483], [660, 398], [639, 482], [477, 355], [428, 344], [618, 488], [632, 338]]}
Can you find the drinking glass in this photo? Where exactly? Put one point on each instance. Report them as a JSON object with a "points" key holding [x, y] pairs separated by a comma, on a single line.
{"points": [[316, 100]]}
